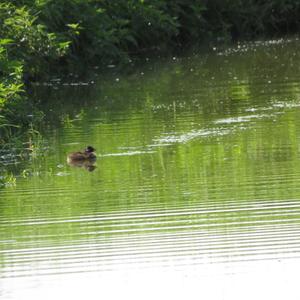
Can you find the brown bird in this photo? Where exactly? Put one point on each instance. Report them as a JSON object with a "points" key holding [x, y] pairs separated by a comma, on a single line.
{"points": [[87, 155], [85, 159]]}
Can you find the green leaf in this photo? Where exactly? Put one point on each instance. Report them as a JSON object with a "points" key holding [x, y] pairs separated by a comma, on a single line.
{"points": [[6, 41]]}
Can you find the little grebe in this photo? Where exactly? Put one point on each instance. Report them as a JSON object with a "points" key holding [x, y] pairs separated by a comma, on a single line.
{"points": [[87, 155]]}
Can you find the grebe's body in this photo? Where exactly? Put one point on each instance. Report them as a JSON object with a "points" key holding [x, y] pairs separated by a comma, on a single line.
{"points": [[87, 155]]}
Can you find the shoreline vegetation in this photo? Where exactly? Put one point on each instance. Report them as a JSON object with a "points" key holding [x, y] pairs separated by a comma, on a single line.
{"points": [[42, 38]]}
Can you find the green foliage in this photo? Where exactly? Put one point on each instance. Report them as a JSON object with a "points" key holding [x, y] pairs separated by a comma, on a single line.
{"points": [[242, 19], [42, 37], [106, 31], [43, 33], [27, 49], [29, 41], [7, 179]]}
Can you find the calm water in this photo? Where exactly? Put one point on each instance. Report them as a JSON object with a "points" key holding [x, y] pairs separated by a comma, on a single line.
{"points": [[196, 190]]}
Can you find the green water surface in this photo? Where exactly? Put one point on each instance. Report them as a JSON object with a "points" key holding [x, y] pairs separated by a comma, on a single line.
{"points": [[198, 172]]}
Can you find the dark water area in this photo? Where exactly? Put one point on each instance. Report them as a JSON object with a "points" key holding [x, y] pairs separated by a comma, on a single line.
{"points": [[195, 192]]}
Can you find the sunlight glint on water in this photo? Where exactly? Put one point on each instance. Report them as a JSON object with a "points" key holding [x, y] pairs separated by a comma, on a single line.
{"points": [[196, 191]]}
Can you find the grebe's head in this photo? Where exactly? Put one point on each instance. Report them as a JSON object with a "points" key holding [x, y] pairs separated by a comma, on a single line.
{"points": [[89, 149]]}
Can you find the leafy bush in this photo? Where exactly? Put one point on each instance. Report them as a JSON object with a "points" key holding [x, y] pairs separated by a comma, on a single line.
{"points": [[40, 37], [26, 49]]}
